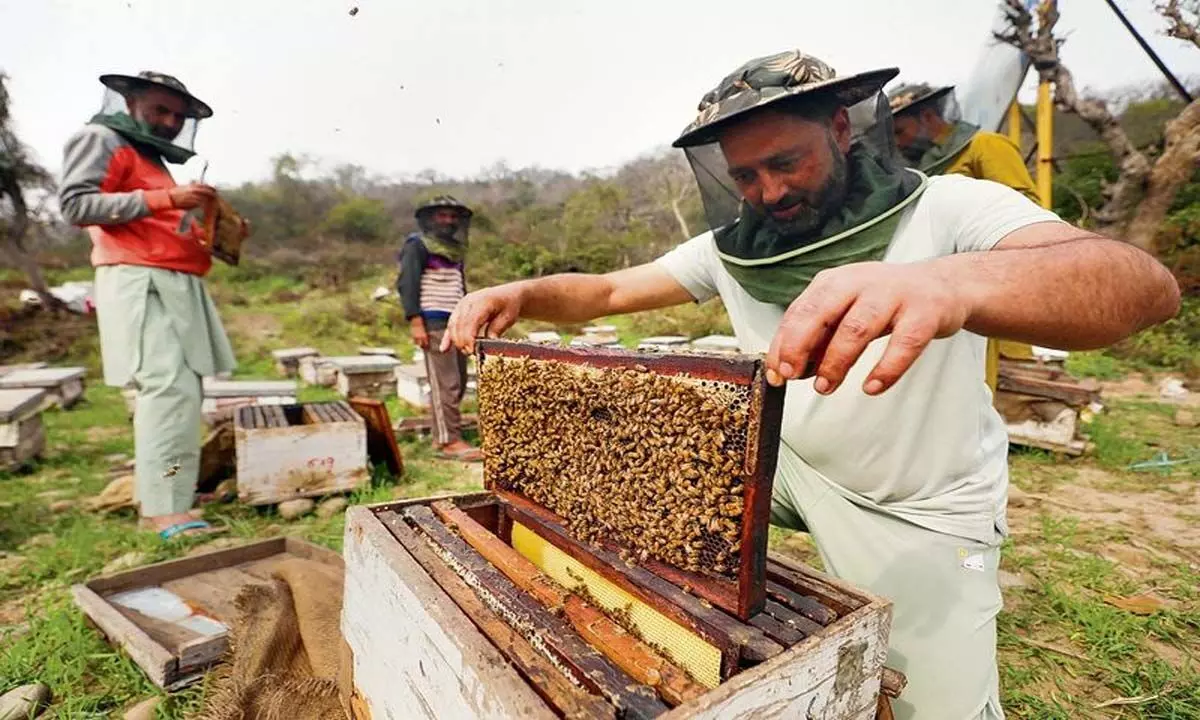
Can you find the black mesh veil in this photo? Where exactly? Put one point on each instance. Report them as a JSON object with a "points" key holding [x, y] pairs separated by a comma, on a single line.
{"points": [[871, 128]]}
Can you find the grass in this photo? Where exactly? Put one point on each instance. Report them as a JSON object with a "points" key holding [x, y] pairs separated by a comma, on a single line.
{"points": [[1064, 648]]}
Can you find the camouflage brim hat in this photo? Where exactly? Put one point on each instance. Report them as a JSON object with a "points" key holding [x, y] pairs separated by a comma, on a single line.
{"points": [[126, 84], [443, 201], [772, 79], [913, 97]]}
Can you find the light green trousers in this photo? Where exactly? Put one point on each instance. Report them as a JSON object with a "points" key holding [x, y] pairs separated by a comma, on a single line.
{"points": [[944, 589], [159, 331]]}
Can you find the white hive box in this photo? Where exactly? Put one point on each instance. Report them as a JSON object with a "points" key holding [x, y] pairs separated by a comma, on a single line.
{"points": [[22, 436], [544, 336], [63, 385], [287, 360], [318, 371], [412, 384], [291, 451], [383, 351], [372, 376], [420, 648]]}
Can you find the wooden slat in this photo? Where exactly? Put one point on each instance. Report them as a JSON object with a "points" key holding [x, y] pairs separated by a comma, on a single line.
{"points": [[589, 666], [154, 659], [805, 580], [642, 662], [806, 605], [777, 631], [278, 418], [201, 653], [1072, 393], [381, 439], [162, 572], [734, 638], [310, 414], [739, 370], [766, 413], [550, 683], [792, 619]]}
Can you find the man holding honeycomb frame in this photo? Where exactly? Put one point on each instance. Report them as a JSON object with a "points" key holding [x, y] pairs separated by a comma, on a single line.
{"points": [[871, 289]]}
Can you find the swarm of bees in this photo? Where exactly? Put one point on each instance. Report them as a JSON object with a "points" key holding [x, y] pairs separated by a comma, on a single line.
{"points": [[651, 462]]}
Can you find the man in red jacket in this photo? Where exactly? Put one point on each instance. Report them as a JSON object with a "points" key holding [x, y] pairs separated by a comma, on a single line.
{"points": [[159, 329]]}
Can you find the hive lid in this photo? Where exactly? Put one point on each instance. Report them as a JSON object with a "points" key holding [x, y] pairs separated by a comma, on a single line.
{"points": [[667, 459], [15, 404], [40, 377], [214, 388]]}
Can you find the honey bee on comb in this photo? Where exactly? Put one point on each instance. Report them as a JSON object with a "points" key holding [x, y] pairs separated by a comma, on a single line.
{"points": [[651, 461]]}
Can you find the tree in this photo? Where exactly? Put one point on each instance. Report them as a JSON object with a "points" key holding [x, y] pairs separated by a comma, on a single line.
{"points": [[18, 174], [1135, 204]]}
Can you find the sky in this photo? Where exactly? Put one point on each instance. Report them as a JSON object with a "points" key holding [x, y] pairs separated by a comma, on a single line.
{"points": [[402, 86]]}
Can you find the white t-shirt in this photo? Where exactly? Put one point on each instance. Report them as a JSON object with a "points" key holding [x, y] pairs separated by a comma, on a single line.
{"points": [[932, 449]]}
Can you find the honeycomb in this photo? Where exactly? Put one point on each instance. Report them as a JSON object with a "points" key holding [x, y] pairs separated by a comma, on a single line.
{"points": [[649, 461]]}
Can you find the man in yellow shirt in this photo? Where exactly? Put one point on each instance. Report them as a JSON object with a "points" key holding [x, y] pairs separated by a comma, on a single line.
{"points": [[934, 140]]}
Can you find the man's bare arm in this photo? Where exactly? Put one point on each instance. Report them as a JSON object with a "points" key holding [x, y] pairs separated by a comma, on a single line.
{"points": [[1049, 284], [561, 298], [1053, 285]]}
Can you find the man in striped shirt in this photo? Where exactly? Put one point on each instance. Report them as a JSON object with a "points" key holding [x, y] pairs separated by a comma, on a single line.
{"points": [[431, 284]]}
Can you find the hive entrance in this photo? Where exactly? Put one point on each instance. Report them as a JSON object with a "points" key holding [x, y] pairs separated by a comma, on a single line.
{"points": [[656, 456]]}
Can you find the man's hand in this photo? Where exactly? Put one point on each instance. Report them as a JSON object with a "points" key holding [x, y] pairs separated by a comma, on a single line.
{"points": [[186, 197], [845, 308], [420, 336], [491, 312]]}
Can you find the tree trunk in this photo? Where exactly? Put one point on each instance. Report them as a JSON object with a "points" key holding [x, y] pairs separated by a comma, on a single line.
{"points": [[683, 226], [12, 241], [1174, 168]]}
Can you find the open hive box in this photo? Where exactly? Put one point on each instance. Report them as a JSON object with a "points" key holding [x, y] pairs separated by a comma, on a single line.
{"points": [[617, 565]]}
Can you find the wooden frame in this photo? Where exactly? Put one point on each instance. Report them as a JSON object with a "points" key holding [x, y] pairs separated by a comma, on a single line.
{"points": [[169, 667], [443, 658], [381, 437], [744, 596]]}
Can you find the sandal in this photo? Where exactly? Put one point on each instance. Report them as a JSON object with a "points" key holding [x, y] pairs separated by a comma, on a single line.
{"points": [[201, 527]]}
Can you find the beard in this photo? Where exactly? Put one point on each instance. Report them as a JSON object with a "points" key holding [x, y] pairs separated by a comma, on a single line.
{"points": [[817, 206], [447, 231]]}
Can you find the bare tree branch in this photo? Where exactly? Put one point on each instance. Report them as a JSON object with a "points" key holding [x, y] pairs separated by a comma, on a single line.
{"points": [[1040, 44], [1181, 28]]}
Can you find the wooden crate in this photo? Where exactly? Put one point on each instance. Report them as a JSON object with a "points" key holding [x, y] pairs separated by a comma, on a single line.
{"points": [[372, 376], [22, 436], [423, 644], [63, 385], [176, 648], [291, 451], [287, 360], [377, 351]]}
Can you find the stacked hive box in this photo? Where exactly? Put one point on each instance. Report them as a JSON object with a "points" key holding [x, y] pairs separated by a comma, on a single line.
{"points": [[291, 451], [22, 437], [617, 567], [63, 386], [287, 360]]}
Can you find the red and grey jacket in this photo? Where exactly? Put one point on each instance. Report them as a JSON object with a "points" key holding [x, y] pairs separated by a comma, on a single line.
{"points": [[121, 196]]}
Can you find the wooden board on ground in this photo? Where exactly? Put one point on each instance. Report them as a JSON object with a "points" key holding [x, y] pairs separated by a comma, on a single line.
{"points": [[63, 385], [448, 653], [300, 451], [172, 618], [423, 424], [381, 438]]}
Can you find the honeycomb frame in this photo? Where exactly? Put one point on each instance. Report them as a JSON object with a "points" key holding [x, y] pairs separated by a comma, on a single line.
{"points": [[694, 502]]}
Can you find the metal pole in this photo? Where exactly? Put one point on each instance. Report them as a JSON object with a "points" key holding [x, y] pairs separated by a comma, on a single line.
{"points": [[1153, 55], [1014, 123], [1045, 140]]}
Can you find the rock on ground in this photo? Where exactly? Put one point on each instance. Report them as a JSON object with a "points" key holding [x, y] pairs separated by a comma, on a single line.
{"points": [[292, 509], [332, 507]]}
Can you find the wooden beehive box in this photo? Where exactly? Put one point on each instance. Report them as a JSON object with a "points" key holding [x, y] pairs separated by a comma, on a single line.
{"points": [[372, 376], [291, 451], [435, 631], [318, 370], [225, 395], [63, 386], [172, 618], [22, 436], [287, 360]]}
